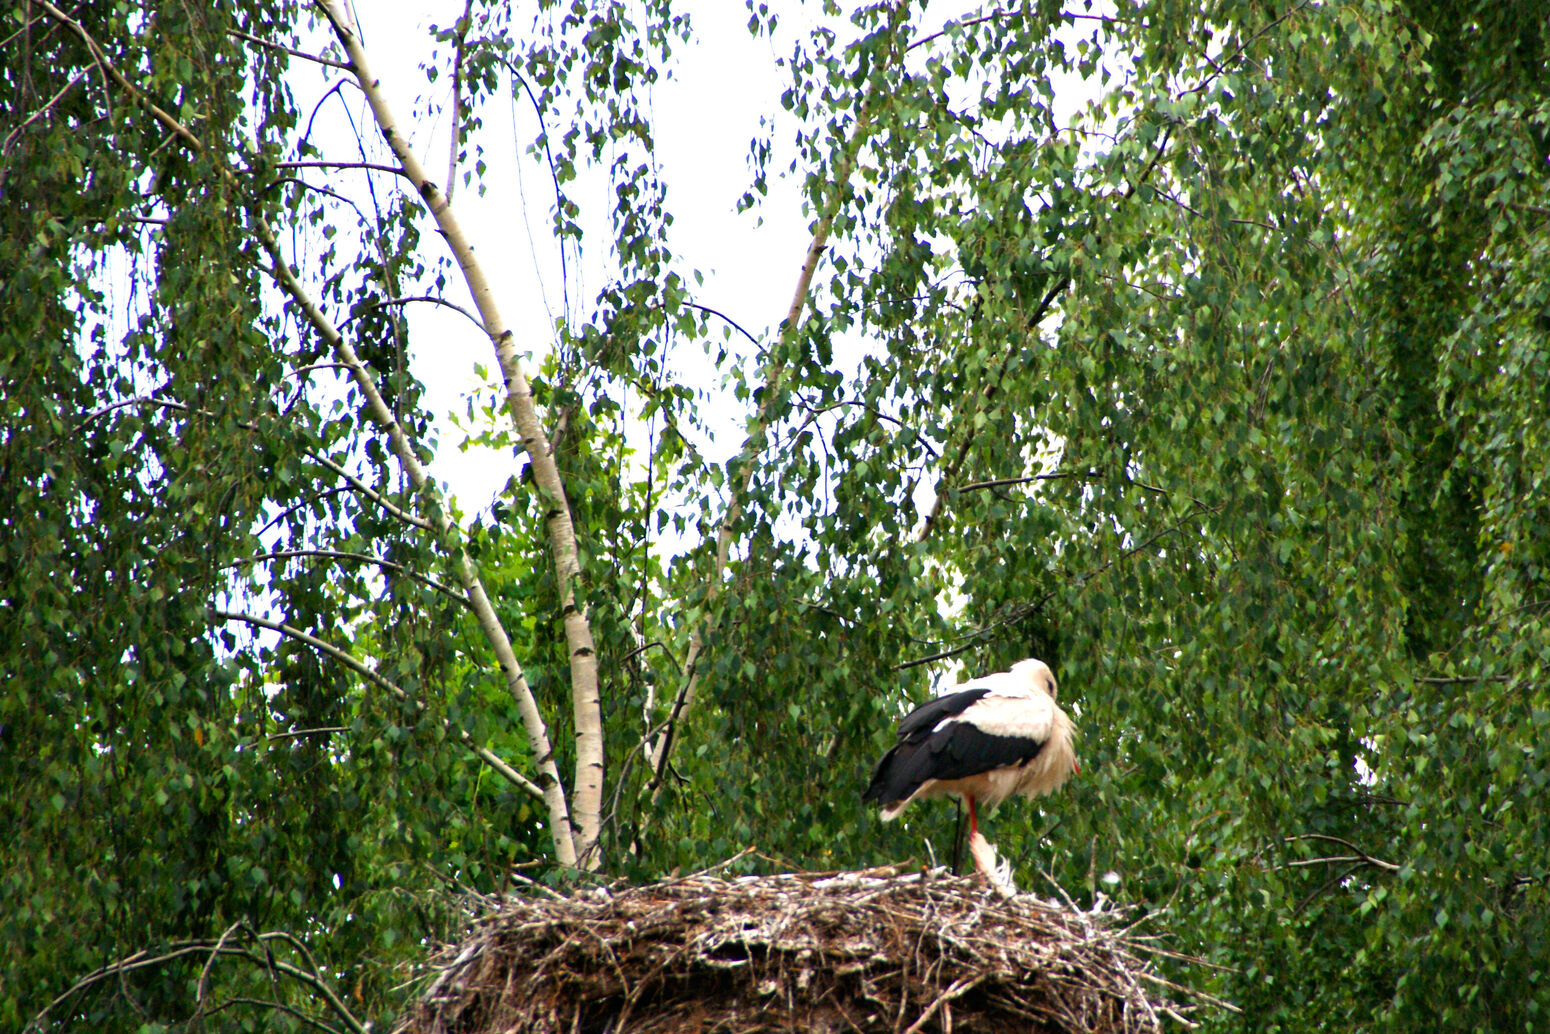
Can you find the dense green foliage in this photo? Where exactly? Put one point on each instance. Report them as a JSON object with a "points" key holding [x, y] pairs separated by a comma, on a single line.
{"points": [[1231, 390]]}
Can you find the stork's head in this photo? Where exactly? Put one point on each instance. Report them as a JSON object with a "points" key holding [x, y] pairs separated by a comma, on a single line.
{"points": [[1037, 674]]}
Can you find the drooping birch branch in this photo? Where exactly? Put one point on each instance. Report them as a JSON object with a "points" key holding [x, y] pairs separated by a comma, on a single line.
{"points": [[344, 657], [950, 472], [659, 752], [381, 414], [360, 558], [587, 789], [484, 611]]}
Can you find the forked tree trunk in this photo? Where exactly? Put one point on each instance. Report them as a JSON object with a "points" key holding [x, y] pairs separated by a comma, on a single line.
{"points": [[587, 789]]}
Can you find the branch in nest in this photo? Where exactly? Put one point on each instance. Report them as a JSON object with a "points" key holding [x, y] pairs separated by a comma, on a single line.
{"points": [[801, 952]]}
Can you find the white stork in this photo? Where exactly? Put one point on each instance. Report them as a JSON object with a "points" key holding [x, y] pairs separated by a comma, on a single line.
{"points": [[983, 740]]}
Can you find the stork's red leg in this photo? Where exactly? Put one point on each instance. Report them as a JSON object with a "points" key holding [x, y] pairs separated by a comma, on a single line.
{"points": [[974, 825]]}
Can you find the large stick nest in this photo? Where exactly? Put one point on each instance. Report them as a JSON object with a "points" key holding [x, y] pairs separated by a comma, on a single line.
{"points": [[878, 950]]}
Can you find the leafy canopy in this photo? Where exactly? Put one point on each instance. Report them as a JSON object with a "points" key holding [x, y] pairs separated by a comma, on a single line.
{"points": [[1223, 391]]}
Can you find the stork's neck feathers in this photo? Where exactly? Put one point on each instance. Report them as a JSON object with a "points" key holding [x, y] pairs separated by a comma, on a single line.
{"points": [[1035, 675]]}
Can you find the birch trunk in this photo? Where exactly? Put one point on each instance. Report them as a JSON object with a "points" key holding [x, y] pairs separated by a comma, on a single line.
{"points": [[587, 789], [484, 611], [550, 789]]}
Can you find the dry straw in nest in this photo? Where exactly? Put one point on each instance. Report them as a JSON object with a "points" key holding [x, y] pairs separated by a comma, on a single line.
{"points": [[877, 950]]}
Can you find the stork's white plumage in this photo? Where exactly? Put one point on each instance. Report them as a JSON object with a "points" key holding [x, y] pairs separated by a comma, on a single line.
{"points": [[984, 741]]}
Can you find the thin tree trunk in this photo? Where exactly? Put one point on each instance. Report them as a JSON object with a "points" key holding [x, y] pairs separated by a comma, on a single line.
{"points": [[565, 851], [587, 790], [660, 751], [377, 409]]}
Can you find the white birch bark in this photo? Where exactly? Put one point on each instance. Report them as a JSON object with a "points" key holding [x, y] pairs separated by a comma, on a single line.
{"points": [[561, 831], [587, 789], [538, 738]]}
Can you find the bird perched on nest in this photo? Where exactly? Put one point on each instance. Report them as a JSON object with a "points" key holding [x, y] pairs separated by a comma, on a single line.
{"points": [[984, 741]]}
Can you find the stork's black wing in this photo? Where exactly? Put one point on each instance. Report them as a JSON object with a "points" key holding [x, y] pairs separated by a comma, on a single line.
{"points": [[919, 722], [959, 748]]}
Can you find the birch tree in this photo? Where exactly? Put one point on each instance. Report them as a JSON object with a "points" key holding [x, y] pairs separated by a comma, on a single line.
{"points": [[1198, 349]]}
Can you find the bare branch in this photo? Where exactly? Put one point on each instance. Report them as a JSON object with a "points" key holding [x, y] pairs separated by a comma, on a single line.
{"points": [[416, 298], [321, 164], [976, 640], [110, 71], [964, 23], [728, 320], [264, 959], [283, 514], [1089, 475], [310, 367], [1219, 70], [326, 192], [322, 730], [204, 974], [26, 28], [267, 45], [366, 490], [342, 656], [338, 86], [301, 1017], [1003, 482], [1358, 856], [991, 390], [332, 554], [554, 174]]}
